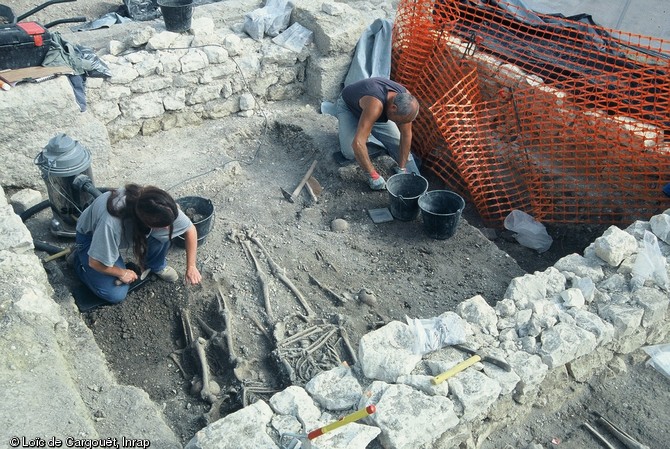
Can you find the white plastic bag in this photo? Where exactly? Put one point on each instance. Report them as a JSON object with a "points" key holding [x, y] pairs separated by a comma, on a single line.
{"points": [[434, 333], [271, 19], [649, 263], [294, 38], [529, 232], [660, 358]]}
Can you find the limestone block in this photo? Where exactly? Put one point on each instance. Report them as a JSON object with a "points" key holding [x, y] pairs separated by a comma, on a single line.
{"points": [[409, 418], [140, 37], [162, 40], [332, 36], [251, 421], [296, 402], [506, 379], [474, 393], [120, 129], [615, 245], [122, 74], [530, 369], [583, 368], [654, 303], [147, 66], [195, 59], [625, 318], [573, 297], [24, 199], [233, 44], [616, 283], [525, 290], [151, 126], [580, 266], [630, 343], [220, 108], [324, 76], [505, 308], [175, 101], [335, 389], [478, 312], [280, 92], [272, 53], [116, 47], [144, 85], [637, 229], [386, 353], [658, 334], [204, 94], [15, 235], [563, 343], [587, 287], [169, 61], [603, 331], [216, 55], [106, 111], [660, 226], [114, 92], [142, 106]]}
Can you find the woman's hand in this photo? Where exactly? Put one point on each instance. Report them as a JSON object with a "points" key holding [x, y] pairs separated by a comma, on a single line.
{"points": [[193, 276], [128, 276]]}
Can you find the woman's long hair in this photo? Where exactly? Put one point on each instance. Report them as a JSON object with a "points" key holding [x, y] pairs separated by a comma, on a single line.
{"points": [[146, 207]]}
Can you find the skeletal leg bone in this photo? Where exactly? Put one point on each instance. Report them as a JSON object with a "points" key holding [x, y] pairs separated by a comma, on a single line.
{"points": [[261, 328], [339, 299], [175, 359], [210, 389], [225, 312], [279, 272], [345, 338], [261, 278]]}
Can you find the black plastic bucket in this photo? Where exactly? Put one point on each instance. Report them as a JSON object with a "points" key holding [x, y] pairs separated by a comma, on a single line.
{"points": [[177, 14], [441, 210], [201, 212], [404, 192]]}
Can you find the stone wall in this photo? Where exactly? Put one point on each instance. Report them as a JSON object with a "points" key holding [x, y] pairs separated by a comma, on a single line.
{"points": [[162, 79]]}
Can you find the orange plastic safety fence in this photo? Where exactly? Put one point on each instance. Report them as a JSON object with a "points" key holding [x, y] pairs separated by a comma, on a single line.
{"points": [[557, 117]]}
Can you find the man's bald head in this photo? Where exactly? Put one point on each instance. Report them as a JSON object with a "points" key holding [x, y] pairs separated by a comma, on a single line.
{"points": [[405, 108]]}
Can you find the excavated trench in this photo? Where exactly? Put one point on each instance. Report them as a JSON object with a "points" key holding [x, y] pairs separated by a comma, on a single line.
{"points": [[164, 337]]}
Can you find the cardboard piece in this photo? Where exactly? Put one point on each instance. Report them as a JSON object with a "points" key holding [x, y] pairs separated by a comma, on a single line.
{"points": [[33, 74]]}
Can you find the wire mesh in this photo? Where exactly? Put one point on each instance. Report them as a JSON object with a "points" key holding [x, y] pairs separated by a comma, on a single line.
{"points": [[555, 116]]}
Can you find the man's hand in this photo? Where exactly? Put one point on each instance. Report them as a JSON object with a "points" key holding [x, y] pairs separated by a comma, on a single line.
{"points": [[375, 181], [397, 170]]}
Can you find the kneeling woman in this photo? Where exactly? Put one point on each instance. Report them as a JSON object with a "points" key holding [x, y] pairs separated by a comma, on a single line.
{"points": [[142, 218]]}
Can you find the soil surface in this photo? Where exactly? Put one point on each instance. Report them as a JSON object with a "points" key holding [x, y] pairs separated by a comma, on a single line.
{"points": [[241, 165]]}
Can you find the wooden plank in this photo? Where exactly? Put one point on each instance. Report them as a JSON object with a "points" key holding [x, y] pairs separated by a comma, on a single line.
{"points": [[34, 74]]}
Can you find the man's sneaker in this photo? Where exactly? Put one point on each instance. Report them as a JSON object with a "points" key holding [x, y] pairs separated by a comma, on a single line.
{"points": [[168, 274]]}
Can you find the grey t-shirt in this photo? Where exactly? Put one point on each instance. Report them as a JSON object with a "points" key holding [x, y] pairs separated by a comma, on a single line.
{"points": [[111, 234]]}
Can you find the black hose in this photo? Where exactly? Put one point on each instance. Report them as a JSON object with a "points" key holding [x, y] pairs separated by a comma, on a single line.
{"points": [[46, 247], [26, 214]]}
